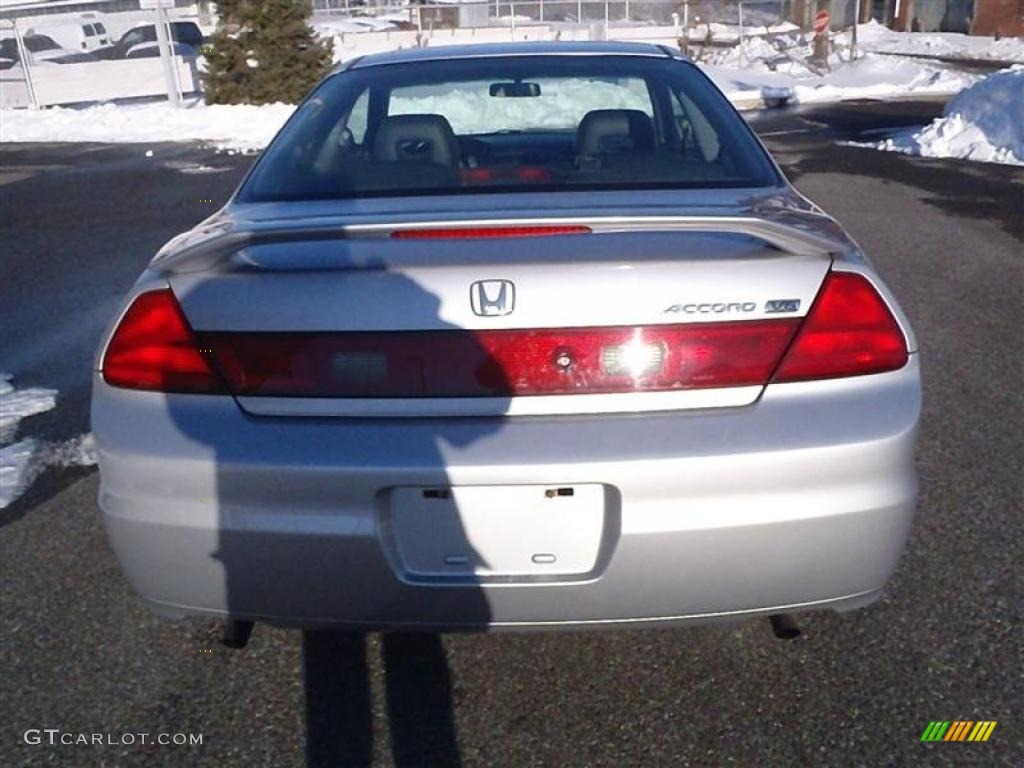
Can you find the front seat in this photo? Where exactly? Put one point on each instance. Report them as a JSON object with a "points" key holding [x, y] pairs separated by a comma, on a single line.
{"points": [[412, 152], [416, 139], [606, 133]]}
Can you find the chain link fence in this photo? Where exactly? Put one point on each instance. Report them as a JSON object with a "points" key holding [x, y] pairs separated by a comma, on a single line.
{"points": [[638, 12], [733, 33], [697, 26]]}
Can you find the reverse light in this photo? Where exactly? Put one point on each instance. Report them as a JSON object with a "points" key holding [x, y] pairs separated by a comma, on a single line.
{"points": [[849, 331], [635, 359], [154, 348]]}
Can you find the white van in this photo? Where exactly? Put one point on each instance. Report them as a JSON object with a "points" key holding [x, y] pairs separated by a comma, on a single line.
{"points": [[84, 34]]}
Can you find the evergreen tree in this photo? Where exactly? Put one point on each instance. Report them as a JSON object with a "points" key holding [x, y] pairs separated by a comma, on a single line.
{"points": [[263, 51]]}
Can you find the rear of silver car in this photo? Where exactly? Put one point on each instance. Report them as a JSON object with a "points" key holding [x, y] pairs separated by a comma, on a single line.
{"points": [[516, 511], [598, 408]]}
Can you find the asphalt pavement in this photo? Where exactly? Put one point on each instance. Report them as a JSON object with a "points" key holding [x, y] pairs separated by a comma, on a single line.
{"points": [[79, 653]]}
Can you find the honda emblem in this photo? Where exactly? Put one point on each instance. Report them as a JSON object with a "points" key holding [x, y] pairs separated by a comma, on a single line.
{"points": [[492, 298]]}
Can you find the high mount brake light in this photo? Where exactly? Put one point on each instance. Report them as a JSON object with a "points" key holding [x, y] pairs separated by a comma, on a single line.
{"points": [[475, 233], [154, 348], [849, 331]]}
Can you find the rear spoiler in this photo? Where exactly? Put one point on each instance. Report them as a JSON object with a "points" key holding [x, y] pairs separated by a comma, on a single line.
{"points": [[201, 250], [785, 237]]}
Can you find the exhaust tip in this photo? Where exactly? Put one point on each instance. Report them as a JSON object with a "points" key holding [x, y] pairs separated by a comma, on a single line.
{"points": [[784, 627], [236, 633]]}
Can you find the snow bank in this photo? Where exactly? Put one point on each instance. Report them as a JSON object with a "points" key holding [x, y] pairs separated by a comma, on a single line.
{"points": [[780, 68], [238, 127], [881, 77], [949, 45], [984, 122]]}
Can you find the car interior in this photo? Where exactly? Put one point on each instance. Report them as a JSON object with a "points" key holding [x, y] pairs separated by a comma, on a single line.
{"points": [[421, 150]]}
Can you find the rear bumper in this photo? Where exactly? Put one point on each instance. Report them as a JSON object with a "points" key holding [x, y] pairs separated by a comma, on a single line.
{"points": [[801, 501]]}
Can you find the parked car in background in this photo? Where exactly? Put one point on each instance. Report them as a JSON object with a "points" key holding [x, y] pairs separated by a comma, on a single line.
{"points": [[184, 32], [77, 35], [152, 50], [42, 49], [8, 53]]}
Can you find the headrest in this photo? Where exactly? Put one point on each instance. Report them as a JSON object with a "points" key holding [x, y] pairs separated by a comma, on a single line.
{"points": [[614, 130], [416, 138]]}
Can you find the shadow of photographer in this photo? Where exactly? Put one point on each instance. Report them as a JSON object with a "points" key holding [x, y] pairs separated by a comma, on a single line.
{"points": [[367, 563]]}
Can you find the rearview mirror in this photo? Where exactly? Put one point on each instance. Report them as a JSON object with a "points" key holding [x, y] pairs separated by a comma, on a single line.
{"points": [[515, 90]]}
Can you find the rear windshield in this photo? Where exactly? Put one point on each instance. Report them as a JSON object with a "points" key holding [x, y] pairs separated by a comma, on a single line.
{"points": [[536, 123]]}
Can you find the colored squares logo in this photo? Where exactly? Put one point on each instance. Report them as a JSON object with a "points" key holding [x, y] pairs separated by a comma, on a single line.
{"points": [[958, 730]]}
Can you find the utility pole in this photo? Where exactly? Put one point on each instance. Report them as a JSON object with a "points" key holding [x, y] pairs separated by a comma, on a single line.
{"points": [[741, 30], [164, 44], [167, 57], [821, 38], [25, 66], [853, 36]]}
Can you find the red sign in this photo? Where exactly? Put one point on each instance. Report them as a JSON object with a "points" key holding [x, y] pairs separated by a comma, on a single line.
{"points": [[821, 20]]}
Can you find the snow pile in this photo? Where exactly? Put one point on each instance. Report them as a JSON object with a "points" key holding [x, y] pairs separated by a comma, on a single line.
{"points": [[877, 76], [948, 45], [781, 67], [238, 127], [730, 33], [984, 122], [355, 24], [23, 461]]}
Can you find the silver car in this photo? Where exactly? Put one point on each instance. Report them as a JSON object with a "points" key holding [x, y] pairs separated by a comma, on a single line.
{"points": [[509, 337]]}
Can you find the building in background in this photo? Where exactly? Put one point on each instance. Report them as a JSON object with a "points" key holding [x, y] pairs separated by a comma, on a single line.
{"points": [[1004, 18]]}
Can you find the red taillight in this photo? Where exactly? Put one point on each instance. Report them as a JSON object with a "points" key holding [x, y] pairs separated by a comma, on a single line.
{"points": [[470, 233], [849, 331], [501, 363], [154, 348]]}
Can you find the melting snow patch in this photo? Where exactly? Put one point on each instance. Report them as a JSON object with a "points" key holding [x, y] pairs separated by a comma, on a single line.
{"points": [[15, 463], [23, 461], [15, 405], [984, 122], [77, 452], [192, 168]]}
